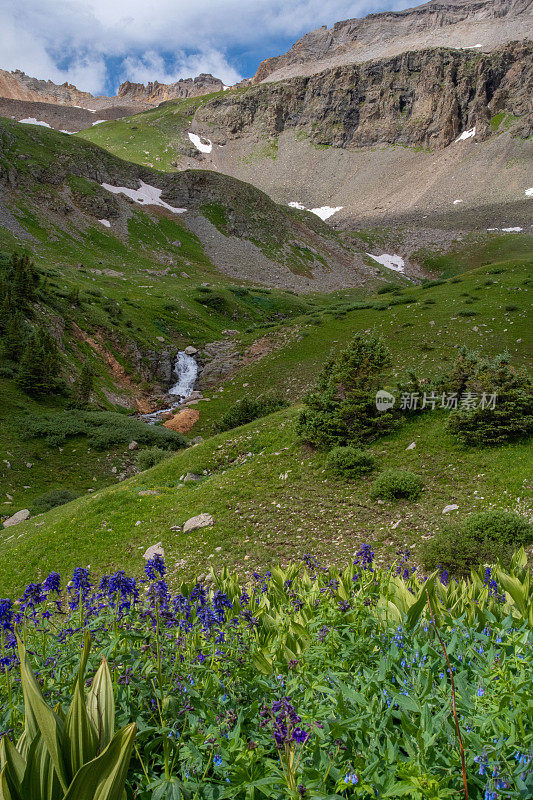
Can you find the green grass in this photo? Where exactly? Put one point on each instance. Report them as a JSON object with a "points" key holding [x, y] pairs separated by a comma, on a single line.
{"points": [[271, 499]]}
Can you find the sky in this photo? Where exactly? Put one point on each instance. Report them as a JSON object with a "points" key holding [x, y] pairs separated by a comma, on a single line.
{"points": [[98, 44]]}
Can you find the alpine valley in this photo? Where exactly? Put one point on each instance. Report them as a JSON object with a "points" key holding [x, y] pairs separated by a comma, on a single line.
{"points": [[242, 326]]}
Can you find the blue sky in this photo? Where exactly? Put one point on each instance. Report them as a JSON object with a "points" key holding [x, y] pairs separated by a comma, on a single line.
{"points": [[98, 44]]}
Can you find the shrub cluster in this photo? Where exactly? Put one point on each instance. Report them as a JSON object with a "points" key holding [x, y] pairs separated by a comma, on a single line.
{"points": [[247, 410], [397, 484], [349, 462], [103, 429], [511, 418], [482, 538], [56, 497], [150, 456]]}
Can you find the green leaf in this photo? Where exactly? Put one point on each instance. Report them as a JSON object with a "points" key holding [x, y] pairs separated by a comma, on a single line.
{"points": [[104, 777], [5, 793], [80, 736], [101, 705], [40, 719], [12, 761]]}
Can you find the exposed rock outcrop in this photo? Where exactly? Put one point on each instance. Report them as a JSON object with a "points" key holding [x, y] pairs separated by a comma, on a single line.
{"points": [[483, 24], [425, 98], [154, 92]]}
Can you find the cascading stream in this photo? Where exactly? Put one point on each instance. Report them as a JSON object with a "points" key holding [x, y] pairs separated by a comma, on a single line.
{"points": [[186, 371]]}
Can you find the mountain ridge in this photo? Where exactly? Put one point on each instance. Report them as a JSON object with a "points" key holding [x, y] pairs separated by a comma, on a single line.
{"points": [[482, 24]]}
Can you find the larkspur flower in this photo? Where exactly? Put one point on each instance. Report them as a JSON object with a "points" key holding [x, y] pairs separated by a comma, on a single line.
{"points": [[52, 583], [155, 567]]}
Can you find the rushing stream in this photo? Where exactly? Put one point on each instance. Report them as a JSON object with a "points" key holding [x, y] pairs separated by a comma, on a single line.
{"points": [[186, 371]]}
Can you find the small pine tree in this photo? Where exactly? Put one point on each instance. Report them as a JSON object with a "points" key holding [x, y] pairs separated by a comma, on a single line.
{"points": [[39, 365], [509, 418], [14, 338], [82, 388], [342, 409]]}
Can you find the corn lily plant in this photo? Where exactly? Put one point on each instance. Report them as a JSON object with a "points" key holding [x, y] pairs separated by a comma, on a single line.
{"points": [[62, 757]]}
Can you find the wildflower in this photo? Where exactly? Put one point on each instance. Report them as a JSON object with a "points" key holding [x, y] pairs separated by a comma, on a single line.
{"points": [[6, 614], [155, 566], [365, 558], [52, 583], [217, 760], [351, 777]]}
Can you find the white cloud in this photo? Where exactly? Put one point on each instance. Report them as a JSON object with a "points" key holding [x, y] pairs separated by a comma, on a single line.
{"points": [[70, 39]]}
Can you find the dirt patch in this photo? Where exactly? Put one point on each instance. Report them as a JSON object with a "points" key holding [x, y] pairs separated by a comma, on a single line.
{"points": [[183, 421]]}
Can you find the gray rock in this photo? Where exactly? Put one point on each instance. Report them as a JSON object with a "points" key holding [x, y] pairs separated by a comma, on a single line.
{"points": [[154, 550], [200, 521], [411, 446], [191, 477], [190, 350], [20, 516], [452, 507], [133, 446], [197, 440], [148, 493], [193, 396]]}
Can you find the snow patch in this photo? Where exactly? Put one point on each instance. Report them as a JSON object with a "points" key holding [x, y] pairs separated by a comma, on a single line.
{"points": [[145, 195], [324, 212], [98, 121], [225, 88], [455, 202], [391, 262], [200, 143], [506, 230], [33, 121], [70, 133], [105, 222], [466, 134], [529, 192]]}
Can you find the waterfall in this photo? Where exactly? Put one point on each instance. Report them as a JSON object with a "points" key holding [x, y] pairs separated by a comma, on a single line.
{"points": [[186, 371]]}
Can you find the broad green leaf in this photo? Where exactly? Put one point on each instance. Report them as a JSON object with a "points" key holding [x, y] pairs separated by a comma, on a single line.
{"points": [[40, 719], [101, 705], [5, 793], [12, 761], [104, 777], [40, 778]]}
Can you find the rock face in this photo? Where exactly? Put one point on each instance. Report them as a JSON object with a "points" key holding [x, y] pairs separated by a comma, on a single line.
{"points": [[483, 24], [154, 92], [426, 98], [183, 421], [20, 516], [201, 521]]}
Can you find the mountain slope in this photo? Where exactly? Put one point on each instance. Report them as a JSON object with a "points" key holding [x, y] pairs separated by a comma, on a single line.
{"points": [[375, 141], [479, 24]]}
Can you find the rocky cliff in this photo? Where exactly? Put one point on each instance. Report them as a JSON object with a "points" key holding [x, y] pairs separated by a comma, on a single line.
{"points": [[155, 92], [479, 24], [425, 98]]}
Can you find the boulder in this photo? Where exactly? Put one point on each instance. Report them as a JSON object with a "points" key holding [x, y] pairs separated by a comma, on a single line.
{"points": [[190, 351], [201, 521], [154, 550], [191, 477], [183, 421], [20, 516], [193, 396], [133, 446], [452, 507], [411, 446]]}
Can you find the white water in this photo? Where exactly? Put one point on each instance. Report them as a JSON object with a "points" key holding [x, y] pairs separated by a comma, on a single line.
{"points": [[186, 370]]}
